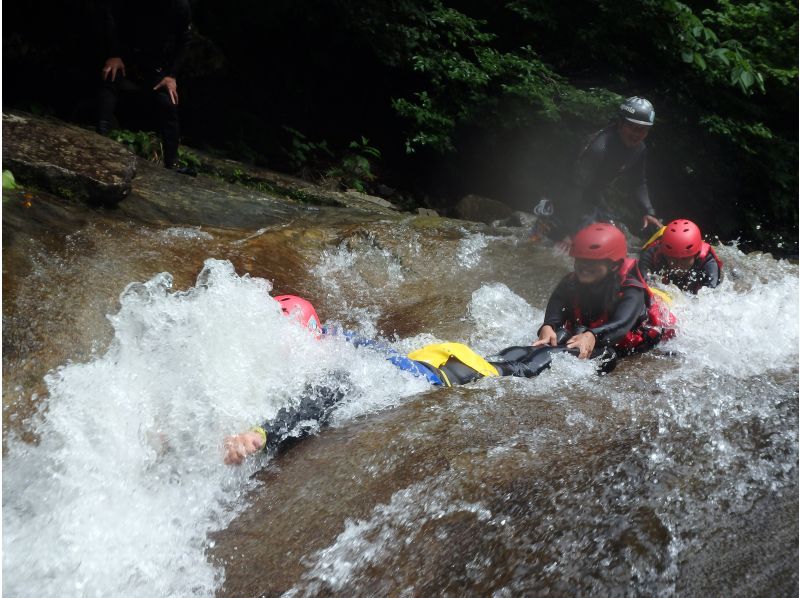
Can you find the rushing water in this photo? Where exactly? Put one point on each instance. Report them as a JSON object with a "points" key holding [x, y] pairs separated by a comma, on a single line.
{"points": [[676, 474]]}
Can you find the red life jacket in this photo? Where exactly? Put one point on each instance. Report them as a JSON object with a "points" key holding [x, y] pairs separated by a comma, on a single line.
{"points": [[705, 249], [657, 325]]}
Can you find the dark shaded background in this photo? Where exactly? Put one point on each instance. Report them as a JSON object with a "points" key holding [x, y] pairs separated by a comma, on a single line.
{"points": [[256, 68]]}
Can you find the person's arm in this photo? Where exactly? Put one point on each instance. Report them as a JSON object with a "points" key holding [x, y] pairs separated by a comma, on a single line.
{"points": [[711, 273], [113, 42], [629, 310], [641, 192], [182, 30], [582, 194], [647, 259], [313, 412], [555, 314]]}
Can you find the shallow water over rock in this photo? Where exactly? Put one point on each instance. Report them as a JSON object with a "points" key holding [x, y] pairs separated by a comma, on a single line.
{"points": [[676, 474]]}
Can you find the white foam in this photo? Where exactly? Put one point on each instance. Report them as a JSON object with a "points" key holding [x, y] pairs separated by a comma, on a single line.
{"points": [[129, 461]]}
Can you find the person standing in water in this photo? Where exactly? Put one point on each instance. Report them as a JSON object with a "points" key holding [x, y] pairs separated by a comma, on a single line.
{"points": [[617, 151]]}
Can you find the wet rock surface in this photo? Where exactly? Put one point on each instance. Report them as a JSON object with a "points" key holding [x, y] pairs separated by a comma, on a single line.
{"points": [[66, 160]]}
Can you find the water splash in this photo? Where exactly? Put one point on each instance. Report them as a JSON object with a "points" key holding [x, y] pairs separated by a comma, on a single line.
{"points": [[129, 455]]}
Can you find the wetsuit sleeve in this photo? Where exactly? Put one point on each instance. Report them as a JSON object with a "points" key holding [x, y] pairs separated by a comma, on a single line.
{"points": [[647, 260], [557, 311], [630, 309], [581, 196], [182, 30], [639, 185], [113, 40], [310, 413], [711, 274]]}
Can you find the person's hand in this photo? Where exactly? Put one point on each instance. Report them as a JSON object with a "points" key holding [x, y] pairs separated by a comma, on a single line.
{"points": [[240, 446], [648, 219], [172, 88], [113, 66], [547, 336], [584, 342], [563, 246]]}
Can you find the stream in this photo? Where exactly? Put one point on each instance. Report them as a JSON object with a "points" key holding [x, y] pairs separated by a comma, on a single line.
{"points": [[131, 350]]}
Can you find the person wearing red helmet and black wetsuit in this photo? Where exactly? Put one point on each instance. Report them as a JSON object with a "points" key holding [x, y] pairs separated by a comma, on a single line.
{"points": [[681, 257], [605, 303], [441, 364]]}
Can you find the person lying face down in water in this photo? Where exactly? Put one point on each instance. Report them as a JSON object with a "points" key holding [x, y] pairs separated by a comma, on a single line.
{"points": [[442, 364]]}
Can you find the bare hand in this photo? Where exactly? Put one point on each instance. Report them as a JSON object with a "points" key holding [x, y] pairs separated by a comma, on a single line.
{"points": [[584, 342], [172, 88], [647, 219], [112, 67], [563, 246], [240, 446], [547, 336]]}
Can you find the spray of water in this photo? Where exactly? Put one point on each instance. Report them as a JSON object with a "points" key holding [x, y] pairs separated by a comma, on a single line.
{"points": [[127, 479]]}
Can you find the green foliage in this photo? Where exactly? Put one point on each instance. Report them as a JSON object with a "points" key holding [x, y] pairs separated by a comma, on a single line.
{"points": [[145, 144], [355, 169], [8, 180], [722, 61], [466, 79], [302, 151], [187, 158]]}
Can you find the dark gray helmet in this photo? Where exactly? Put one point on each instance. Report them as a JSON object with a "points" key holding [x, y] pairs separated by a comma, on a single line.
{"points": [[638, 110]]}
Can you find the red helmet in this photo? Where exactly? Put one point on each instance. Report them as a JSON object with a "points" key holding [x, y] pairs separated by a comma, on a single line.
{"points": [[681, 238], [297, 307], [599, 241]]}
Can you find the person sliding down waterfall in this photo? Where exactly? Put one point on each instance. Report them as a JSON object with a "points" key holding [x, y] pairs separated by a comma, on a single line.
{"points": [[442, 364], [678, 255], [605, 304]]}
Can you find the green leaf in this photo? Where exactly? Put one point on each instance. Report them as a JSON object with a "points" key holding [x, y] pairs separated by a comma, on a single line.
{"points": [[700, 61], [687, 56], [747, 79], [8, 180]]}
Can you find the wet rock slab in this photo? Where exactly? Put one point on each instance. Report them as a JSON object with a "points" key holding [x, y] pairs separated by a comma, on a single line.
{"points": [[66, 160]]}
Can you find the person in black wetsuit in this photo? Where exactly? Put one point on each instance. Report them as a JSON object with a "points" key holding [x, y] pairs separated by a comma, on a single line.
{"points": [[681, 257], [605, 304], [443, 364], [146, 43], [615, 151], [603, 310]]}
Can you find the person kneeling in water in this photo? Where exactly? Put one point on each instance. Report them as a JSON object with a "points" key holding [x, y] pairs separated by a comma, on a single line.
{"points": [[681, 257], [605, 304], [441, 364]]}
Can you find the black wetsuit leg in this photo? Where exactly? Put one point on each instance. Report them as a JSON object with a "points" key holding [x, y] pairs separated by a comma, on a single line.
{"points": [[529, 361], [169, 124]]}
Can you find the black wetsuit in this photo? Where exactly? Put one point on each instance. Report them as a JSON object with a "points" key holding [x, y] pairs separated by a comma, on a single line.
{"points": [[705, 271], [608, 311], [605, 159], [317, 402], [151, 37]]}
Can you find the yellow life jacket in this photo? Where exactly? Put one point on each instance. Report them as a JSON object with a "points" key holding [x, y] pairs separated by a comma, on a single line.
{"points": [[438, 355], [656, 236]]}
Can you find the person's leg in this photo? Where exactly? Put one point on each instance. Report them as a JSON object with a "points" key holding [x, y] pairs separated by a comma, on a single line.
{"points": [[106, 102], [170, 127]]}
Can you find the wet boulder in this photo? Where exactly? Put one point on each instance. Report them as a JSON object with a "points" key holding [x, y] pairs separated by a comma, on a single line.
{"points": [[66, 160], [481, 209]]}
